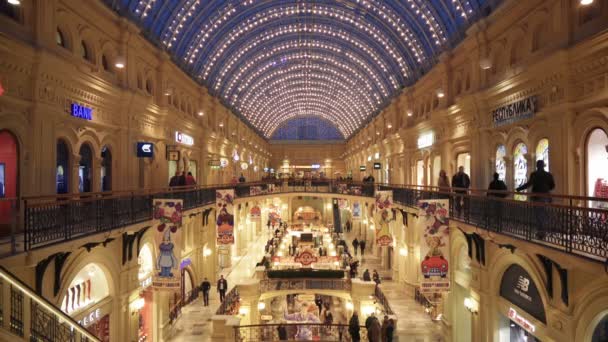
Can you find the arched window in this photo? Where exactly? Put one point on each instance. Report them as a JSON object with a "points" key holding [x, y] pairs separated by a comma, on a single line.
{"points": [[89, 286], [600, 334], [140, 82], [520, 167], [464, 160], [542, 152], [84, 50], [149, 87], [62, 170], [60, 38], [106, 169], [104, 63], [501, 166], [84, 169], [597, 164]]}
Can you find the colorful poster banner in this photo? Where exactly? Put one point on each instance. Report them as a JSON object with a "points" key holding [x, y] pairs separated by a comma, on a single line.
{"points": [[342, 203], [168, 237], [356, 210], [384, 202], [255, 213], [434, 246], [224, 200], [255, 190]]}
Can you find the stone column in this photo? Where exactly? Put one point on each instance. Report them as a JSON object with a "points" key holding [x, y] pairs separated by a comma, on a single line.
{"points": [[74, 178]]}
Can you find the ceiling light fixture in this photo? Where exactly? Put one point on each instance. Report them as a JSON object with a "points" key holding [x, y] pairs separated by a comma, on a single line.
{"points": [[440, 93], [120, 62], [410, 112], [201, 113], [583, 2], [485, 63], [14, 2]]}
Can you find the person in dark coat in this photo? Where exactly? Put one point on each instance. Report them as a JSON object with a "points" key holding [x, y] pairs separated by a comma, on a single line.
{"points": [[205, 287], [355, 245], [542, 183], [497, 185], [461, 182], [384, 328], [374, 331], [390, 330], [362, 246], [242, 179], [366, 276], [319, 304], [353, 328], [376, 277], [222, 286], [282, 332], [174, 181]]}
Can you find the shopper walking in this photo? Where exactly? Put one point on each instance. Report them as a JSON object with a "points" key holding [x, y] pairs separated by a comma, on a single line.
{"points": [[355, 245], [242, 179], [461, 183], [443, 183], [222, 286], [374, 331], [384, 329], [353, 328], [366, 276], [376, 277], [174, 181], [497, 189], [496, 186], [362, 246], [542, 184], [205, 287], [390, 330]]}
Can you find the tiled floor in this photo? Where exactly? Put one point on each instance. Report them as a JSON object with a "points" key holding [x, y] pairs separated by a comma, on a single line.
{"points": [[414, 325]]}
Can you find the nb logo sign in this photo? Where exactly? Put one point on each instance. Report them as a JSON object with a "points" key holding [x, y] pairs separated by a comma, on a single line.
{"points": [[147, 148], [523, 283]]}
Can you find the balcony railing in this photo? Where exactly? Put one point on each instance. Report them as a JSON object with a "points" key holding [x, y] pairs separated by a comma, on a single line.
{"points": [[318, 332], [31, 317], [572, 224], [305, 284]]}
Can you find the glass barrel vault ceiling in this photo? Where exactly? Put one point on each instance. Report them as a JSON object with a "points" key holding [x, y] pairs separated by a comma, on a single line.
{"points": [[274, 61]]}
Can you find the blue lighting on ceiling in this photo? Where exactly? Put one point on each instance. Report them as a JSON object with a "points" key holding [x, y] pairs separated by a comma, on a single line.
{"points": [[271, 61]]}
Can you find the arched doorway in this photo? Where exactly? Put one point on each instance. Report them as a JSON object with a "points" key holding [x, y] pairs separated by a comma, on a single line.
{"points": [[84, 169], [597, 163], [62, 170], [187, 286], [106, 169], [9, 178], [145, 327], [520, 168]]}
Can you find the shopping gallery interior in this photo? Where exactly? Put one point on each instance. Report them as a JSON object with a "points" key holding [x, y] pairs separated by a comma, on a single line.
{"points": [[304, 170]]}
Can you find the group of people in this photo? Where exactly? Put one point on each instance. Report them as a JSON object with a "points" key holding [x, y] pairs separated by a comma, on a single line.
{"points": [[182, 179], [235, 180], [358, 244], [375, 277], [376, 332], [222, 287]]}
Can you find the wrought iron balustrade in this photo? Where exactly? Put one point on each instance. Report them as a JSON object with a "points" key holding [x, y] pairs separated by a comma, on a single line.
{"points": [[318, 331], [304, 284]]}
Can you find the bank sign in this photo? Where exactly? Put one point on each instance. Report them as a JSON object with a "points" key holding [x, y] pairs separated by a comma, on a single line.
{"points": [[81, 112], [522, 109]]}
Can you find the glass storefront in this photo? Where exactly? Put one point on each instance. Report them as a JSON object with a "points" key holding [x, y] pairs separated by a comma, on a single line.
{"points": [[597, 164], [542, 152], [600, 334], [501, 165], [464, 159], [520, 168], [509, 331], [420, 172]]}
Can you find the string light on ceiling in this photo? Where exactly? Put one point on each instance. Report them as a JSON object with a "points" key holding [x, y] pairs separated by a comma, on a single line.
{"points": [[273, 61]]}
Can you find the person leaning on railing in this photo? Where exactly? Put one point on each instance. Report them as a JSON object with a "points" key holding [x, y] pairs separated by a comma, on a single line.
{"points": [[542, 183]]}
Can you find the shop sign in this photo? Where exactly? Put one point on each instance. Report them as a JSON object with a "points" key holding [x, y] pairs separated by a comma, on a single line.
{"points": [[524, 323], [426, 140], [315, 166], [244, 166], [81, 112], [362, 168], [223, 162], [145, 150], [184, 138], [522, 109], [377, 166], [265, 169], [90, 318], [434, 246], [518, 288], [266, 317], [185, 263]]}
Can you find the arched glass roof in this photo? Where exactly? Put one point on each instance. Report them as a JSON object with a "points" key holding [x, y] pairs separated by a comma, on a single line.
{"points": [[275, 60], [307, 128]]}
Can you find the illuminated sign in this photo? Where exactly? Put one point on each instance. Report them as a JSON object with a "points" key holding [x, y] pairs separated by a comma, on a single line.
{"points": [[377, 155], [362, 168], [315, 166], [185, 263], [377, 166], [146, 282], [184, 138], [81, 112], [223, 162], [519, 110], [265, 169], [524, 323], [145, 150], [426, 140], [90, 318]]}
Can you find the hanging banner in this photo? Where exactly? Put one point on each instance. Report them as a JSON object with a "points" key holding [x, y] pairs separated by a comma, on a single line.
{"points": [[434, 246], [274, 214], [255, 213], [167, 237], [384, 202], [356, 211], [224, 200], [342, 203]]}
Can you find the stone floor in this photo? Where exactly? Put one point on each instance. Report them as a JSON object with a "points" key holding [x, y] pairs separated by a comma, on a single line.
{"points": [[414, 325]]}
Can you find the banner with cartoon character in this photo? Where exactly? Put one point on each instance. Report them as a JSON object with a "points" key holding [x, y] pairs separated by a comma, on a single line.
{"points": [[384, 202], [434, 246], [356, 210], [168, 239], [224, 200], [255, 212]]}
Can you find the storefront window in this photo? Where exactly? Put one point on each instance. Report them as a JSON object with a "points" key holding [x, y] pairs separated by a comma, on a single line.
{"points": [[597, 164], [84, 169], [88, 288], [600, 334], [106, 169], [192, 167], [520, 168], [542, 152], [62, 171], [172, 168], [464, 159], [436, 169], [501, 166], [420, 172]]}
